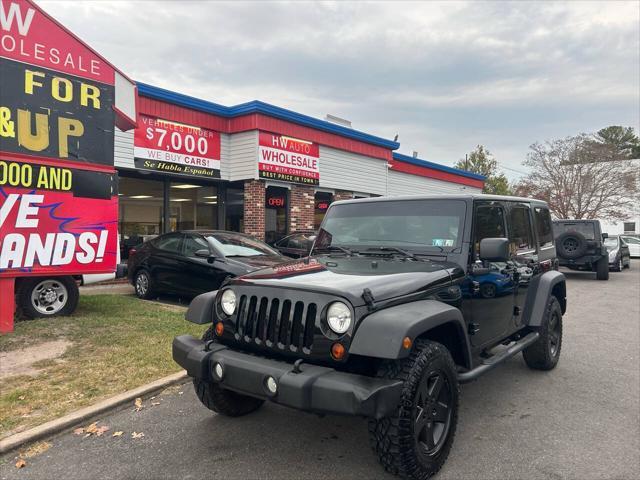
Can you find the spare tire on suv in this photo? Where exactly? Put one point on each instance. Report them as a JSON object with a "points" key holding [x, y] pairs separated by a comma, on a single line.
{"points": [[571, 245]]}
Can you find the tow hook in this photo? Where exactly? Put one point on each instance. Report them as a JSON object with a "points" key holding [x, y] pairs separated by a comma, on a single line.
{"points": [[296, 366]]}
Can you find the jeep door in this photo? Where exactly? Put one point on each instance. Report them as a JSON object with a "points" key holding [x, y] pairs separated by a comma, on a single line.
{"points": [[492, 286]]}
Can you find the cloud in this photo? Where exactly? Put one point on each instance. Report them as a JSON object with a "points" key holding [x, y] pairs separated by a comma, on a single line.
{"points": [[445, 75]]}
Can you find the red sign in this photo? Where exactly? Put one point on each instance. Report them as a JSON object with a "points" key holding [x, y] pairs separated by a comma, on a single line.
{"points": [[288, 159], [177, 148], [30, 36], [56, 220]]}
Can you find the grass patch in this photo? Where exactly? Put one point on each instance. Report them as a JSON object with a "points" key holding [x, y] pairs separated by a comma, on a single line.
{"points": [[119, 343]]}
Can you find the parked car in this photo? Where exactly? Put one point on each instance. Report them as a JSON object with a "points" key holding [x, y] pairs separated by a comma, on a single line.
{"points": [[195, 261], [634, 245], [296, 245], [580, 246], [376, 323], [619, 256]]}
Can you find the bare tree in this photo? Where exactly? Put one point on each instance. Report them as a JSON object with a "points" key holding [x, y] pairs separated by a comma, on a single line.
{"points": [[581, 178]]}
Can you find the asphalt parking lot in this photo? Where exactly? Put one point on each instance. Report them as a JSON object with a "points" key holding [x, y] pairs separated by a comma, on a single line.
{"points": [[580, 421]]}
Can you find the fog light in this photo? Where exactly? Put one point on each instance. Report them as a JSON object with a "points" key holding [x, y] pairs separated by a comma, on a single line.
{"points": [[219, 328], [337, 351], [272, 385], [218, 370]]}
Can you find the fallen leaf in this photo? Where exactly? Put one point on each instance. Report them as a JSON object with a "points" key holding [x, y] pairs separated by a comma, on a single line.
{"points": [[137, 435], [21, 463], [35, 449], [117, 434], [155, 403], [78, 431], [138, 404], [101, 430], [93, 428], [87, 435]]}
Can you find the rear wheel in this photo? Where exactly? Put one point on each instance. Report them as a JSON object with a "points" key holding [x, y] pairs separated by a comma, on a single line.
{"points": [[545, 353], [415, 441], [602, 269], [219, 400], [48, 297]]}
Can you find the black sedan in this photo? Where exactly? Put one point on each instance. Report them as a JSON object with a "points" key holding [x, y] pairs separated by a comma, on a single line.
{"points": [[193, 262], [296, 245]]}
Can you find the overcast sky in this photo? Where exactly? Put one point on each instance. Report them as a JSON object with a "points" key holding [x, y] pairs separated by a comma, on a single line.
{"points": [[444, 76]]}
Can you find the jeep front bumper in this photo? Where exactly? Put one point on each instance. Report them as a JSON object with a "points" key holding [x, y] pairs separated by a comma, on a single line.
{"points": [[313, 388]]}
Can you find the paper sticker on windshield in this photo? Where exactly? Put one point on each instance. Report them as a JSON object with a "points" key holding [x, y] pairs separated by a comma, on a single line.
{"points": [[442, 242]]}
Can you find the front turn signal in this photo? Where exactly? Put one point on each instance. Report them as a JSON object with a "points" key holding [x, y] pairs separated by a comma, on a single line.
{"points": [[219, 329], [337, 351]]}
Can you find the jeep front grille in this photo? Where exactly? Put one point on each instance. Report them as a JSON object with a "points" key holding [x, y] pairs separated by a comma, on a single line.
{"points": [[276, 323]]}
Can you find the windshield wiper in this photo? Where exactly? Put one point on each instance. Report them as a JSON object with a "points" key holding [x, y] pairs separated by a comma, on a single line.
{"points": [[334, 248], [396, 250]]}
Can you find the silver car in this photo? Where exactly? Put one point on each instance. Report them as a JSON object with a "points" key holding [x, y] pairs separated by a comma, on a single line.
{"points": [[619, 255]]}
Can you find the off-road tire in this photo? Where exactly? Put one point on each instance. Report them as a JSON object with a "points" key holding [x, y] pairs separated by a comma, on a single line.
{"points": [[602, 269], [219, 400], [26, 290], [144, 293], [571, 245], [392, 438], [541, 355]]}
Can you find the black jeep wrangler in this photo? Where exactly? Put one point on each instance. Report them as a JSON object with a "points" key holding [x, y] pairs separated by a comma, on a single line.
{"points": [[580, 246], [386, 318]]}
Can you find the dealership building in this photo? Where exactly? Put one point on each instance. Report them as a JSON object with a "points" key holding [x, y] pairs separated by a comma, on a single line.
{"points": [[254, 168]]}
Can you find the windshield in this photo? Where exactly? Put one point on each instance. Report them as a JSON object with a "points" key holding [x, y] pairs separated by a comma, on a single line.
{"points": [[611, 242], [585, 229], [234, 245], [432, 225]]}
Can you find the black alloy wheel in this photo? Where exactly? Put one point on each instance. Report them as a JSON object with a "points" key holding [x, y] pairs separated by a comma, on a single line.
{"points": [[432, 413]]}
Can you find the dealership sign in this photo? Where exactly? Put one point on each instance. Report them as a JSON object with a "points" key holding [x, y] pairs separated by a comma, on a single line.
{"points": [[288, 159], [59, 104], [173, 147]]}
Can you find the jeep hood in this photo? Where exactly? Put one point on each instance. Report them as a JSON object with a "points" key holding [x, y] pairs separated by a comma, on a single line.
{"points": [[385, 277]]}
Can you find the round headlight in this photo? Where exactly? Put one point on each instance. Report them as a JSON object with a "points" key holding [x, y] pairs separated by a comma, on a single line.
{"points": [[228, 302], [339, 317]]}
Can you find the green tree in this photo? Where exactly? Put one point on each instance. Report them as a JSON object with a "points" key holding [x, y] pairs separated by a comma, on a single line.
{"points": [[622, 139], [482, 162]]}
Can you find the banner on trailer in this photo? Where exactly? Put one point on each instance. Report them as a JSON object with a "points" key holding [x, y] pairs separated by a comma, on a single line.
{"points": [[288, 159], [173, 147], [56, 220]]}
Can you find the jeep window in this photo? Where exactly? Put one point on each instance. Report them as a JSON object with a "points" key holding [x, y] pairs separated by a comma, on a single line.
{"points": [[521, 237], [489, 223], [585, 228], [408, 224], [169, 243], [544, 227]]}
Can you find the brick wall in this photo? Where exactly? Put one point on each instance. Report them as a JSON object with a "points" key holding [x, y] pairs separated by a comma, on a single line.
{"points": [[254, 194], [342, 195], [301, 208]]}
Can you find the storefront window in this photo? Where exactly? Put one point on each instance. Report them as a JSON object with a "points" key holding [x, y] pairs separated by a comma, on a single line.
{"points": [[275, 222], [322, 201], [235, 209], [192, 206], [141, 213]]}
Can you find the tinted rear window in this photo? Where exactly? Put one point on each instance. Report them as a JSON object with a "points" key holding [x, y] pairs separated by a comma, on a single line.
{"points": [[585, 229]]}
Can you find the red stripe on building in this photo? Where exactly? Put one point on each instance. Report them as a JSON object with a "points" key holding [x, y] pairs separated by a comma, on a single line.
{"points": [[258, 121], [435, 174]]}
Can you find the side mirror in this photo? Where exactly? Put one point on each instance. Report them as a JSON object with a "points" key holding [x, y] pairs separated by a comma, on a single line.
{"points": [[494, 249], [204, 253], [605, 236]]}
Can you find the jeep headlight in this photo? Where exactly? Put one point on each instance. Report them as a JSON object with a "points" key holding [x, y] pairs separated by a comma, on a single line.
{"points": [[613, 254], [228, 302], [339, 317]]}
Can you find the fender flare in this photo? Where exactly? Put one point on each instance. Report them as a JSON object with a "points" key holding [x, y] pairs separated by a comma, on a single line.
{"points": [[539, 290], [200, 310], [380, 334]]}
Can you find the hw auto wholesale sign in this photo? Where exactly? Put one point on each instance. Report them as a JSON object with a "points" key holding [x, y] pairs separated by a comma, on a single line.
{"points": [[288, 159], [58, 198], [171, 147]]}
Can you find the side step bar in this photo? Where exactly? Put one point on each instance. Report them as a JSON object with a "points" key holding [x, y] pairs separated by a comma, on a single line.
{"points": [[498, 358]]}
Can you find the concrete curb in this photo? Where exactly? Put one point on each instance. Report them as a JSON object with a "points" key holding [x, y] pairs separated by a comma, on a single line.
{"points": [[79, 416]]}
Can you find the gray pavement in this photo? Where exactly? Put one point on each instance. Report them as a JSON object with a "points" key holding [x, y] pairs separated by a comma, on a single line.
{"points": [[580, 421]]}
